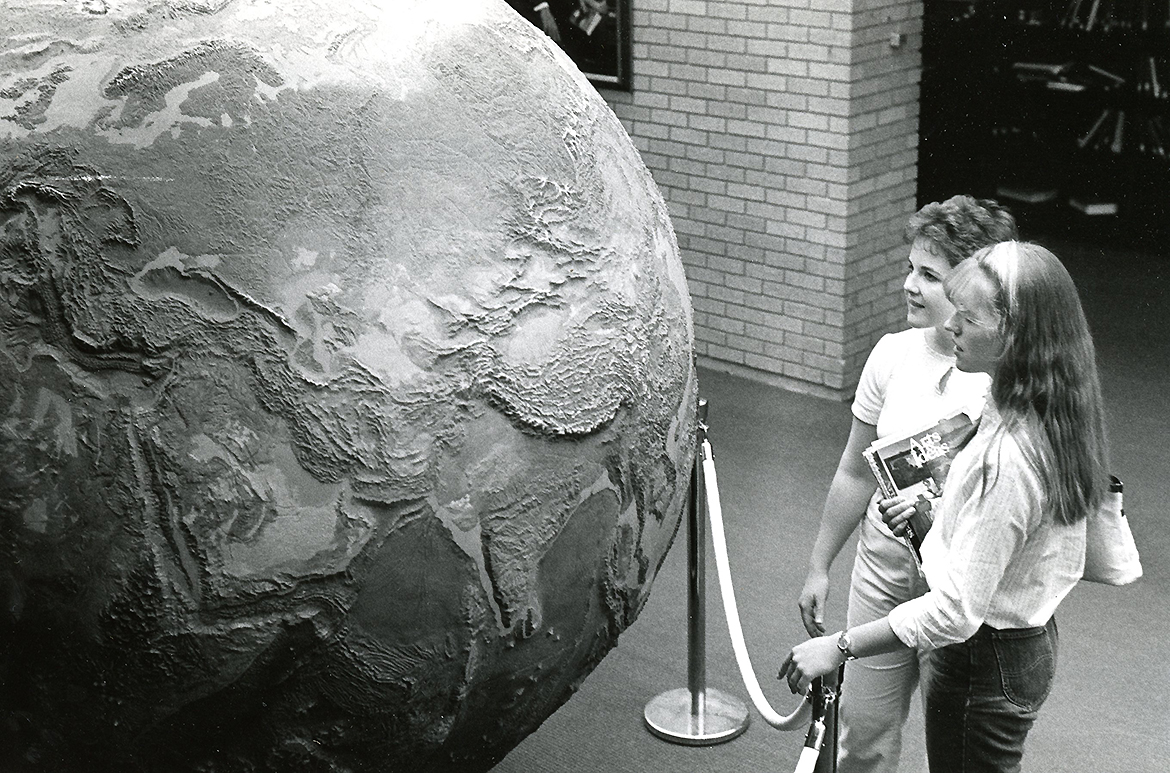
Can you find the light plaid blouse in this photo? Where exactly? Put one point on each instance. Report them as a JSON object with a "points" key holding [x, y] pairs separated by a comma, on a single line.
{"points": [[996, 558]]}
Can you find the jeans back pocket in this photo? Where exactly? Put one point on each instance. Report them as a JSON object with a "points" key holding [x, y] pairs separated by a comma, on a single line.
{"points": [[1027, 664]]}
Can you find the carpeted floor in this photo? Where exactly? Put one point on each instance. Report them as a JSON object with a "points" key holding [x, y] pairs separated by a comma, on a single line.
{"points": [[1109, 711]]}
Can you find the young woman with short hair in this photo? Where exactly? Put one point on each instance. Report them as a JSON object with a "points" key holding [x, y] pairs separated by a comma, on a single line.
{"points": [[909, 381]]}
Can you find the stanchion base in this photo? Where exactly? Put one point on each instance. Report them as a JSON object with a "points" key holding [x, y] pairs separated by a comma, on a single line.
{"points": [[669, 717]]}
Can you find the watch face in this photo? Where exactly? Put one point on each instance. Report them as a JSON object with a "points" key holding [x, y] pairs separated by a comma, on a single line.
{"points": [[845, 645]]}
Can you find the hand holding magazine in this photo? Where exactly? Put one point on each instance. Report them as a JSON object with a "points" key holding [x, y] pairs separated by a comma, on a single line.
{"points": [[915, 466]]}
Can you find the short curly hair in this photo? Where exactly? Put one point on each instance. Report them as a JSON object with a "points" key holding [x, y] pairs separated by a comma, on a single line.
{"points": [[959, 226]]}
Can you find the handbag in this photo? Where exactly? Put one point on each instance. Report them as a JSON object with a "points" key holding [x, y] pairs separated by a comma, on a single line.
{"points": [[1111, 556]]}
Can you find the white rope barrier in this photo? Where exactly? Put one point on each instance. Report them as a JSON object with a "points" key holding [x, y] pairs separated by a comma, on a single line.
{"points": [[798, 719]]}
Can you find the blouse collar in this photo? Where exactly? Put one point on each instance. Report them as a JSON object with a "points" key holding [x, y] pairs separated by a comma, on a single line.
{"points": [[990, 418]]}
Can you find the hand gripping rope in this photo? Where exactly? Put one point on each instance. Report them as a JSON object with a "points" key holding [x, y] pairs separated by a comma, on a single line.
{"points": [[697, 715], [820, 699]]}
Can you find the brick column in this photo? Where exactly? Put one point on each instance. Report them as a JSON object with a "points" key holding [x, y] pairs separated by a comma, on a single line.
{"points": [[783, 134]]}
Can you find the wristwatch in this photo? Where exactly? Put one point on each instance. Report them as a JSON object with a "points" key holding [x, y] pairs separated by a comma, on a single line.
{"points": [[845, 645]]}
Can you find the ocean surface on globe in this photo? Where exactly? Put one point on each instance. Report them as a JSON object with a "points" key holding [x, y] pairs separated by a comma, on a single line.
{"points": [[346, 384]]}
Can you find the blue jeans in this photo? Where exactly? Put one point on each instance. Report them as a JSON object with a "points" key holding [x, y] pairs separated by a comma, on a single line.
{"points": [[983, 695]]}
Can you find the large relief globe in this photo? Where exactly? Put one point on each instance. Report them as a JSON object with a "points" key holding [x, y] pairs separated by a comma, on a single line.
{"points": [[346, 384]]}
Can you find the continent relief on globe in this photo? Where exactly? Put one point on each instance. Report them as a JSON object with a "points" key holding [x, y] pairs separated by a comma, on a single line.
{"points": [[346, 384]]}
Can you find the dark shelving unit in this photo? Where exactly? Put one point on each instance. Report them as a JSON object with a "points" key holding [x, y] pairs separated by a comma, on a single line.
{"points": [[1058, 108]]}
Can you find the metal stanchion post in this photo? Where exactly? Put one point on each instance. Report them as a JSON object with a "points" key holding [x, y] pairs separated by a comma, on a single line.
{"points": [[696, 715], [827, 761]]}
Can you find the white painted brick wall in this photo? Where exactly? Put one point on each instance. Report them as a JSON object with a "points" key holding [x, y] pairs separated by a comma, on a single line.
{"points": [[783, 134]]}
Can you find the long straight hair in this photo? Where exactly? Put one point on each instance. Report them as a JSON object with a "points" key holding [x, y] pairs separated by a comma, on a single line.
{"points": [[1045, 383]]}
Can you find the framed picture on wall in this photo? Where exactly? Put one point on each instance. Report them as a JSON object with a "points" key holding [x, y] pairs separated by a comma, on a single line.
{"points": [[594, 33]]}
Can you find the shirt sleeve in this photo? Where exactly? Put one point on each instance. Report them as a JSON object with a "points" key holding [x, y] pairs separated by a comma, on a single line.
{"points": [[987, 532], [875, 376]]}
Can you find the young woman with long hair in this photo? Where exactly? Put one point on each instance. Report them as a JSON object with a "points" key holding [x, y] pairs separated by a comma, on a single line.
{"points": [[1008, 541]]}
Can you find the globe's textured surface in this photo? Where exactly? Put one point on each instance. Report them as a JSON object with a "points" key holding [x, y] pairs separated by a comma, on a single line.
{"points": [[346, 390]]}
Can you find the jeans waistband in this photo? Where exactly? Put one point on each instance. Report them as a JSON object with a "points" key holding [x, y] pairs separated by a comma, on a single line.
{"points": [[987, 632]]}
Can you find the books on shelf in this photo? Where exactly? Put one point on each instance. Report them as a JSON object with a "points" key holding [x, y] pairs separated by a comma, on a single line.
{"points": [[915, 466], [1157, 138], [1066, 86], [1106, 15], [1151, 78], [1109, 132], [1093, 206], [1025, 194], [1118, 132], [1074, 76], [1093, 132], [1042, 69], [1111, 77]]}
